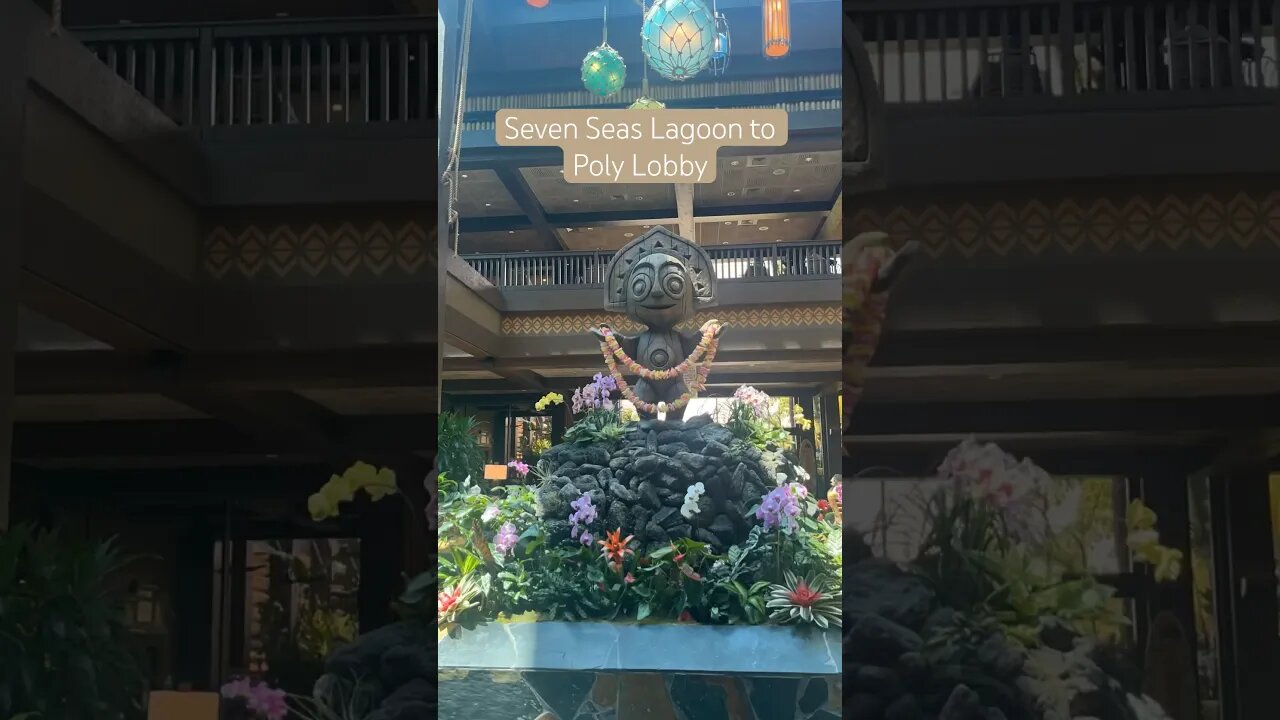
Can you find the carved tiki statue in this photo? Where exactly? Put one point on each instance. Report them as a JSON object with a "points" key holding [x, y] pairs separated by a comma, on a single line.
{"points": [[659, 280]]}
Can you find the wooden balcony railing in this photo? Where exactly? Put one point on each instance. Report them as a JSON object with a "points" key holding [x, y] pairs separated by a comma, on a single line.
{"points": [[287, 72], [1086, 52], [778, 261]]}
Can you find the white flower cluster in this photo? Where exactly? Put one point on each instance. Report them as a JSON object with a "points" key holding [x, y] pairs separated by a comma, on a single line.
{"points": [[1054, 679], [690, 506]]}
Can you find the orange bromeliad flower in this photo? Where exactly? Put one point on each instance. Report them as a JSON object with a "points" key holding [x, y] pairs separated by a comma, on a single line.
{"points": [[614, 547]]}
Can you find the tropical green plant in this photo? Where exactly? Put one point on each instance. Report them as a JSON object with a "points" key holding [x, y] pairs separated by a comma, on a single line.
{"points": [[63, 641], [459, 452]]}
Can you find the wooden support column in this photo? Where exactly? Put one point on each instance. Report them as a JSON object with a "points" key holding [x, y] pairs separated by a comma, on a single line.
{"points": [[684, 211], [1170, 663], [831, 443], [1245, 593], [13, 95]]}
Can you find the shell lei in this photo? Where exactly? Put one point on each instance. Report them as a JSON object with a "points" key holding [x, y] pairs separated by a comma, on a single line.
{"points": [[694, 368]]}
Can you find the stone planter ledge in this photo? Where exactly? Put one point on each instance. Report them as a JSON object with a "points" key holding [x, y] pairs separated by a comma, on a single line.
{"points": [[655, 648]]}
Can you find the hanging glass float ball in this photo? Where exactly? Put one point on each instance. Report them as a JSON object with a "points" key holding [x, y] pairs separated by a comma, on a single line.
{"points": [[647, 103], [538, 3], [678, 38], [603, 71]]}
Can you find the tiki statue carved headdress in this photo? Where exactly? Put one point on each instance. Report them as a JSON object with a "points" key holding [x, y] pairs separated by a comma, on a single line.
{"points": [[659, 279]]}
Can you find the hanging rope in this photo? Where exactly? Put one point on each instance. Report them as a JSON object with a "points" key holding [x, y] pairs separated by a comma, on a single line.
{"points": [[449, 177], [55, 27], [644, 79], [604, 36]]}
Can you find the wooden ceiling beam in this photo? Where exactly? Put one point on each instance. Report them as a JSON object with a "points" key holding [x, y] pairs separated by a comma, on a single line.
{"points": [[1149, 415], [514, 182], [718, 379], [105, 372], [205, 438], [1254, 344]]}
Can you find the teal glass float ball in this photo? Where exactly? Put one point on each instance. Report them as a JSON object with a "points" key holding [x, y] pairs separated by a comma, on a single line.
{"points": [[603, 71], [678, 38]]}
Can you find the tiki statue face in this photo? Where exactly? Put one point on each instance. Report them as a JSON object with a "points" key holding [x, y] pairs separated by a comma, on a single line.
{"points": [[659, 291]]}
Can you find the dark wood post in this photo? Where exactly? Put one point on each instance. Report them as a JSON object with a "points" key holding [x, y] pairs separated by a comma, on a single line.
{"points": [[1245, 578], [1163, 487], [13, 96]]}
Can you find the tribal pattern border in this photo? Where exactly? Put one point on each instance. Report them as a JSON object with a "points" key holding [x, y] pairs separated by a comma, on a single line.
{"points": [[1070, 226], [345, 250], [793, 316]]}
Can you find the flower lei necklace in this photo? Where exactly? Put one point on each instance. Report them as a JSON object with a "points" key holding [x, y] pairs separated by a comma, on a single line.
{"points": [[699, 362]]}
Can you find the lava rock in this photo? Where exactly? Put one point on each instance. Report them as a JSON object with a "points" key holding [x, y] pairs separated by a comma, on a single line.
{"points": [[620, 492], [880, 587], [655, 533], [673, 449], [649, 496], [403, 663], [651, 467], [703, 535], [694, 461], [714, 448], [722, 527], [906, 707], [962, 704], [875, 638], [667, 517], [863, 706]]}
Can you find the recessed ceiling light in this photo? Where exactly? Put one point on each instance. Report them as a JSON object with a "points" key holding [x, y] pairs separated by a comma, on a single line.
{"points": [[576, 200], [465, 175], [786, 219], [728, 222], [591, 228], [568, 229], [488, 204], [562, 171], [724, 242], [646, 227], [639, 197], [734, 163], [763, 228], [778, 240], [511, 232], [808, 159], [526, 251], [796, 190], [628, 234], [731, 193], [779, 171]]}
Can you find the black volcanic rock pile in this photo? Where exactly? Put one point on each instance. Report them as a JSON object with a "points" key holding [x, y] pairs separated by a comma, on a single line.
{"points": [[909, 658], [639, 483]]}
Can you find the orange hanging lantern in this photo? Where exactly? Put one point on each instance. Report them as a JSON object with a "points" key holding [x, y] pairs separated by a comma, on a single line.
{"points": [[777, 28], [538, 3]]}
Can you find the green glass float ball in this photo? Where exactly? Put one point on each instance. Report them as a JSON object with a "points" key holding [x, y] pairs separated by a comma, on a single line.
{"points": [[603, 71], [647, 103]]}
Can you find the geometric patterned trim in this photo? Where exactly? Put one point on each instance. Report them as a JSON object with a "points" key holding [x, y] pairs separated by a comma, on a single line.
{"points": [[793, 316], [285, 251], [1099, 225]]}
